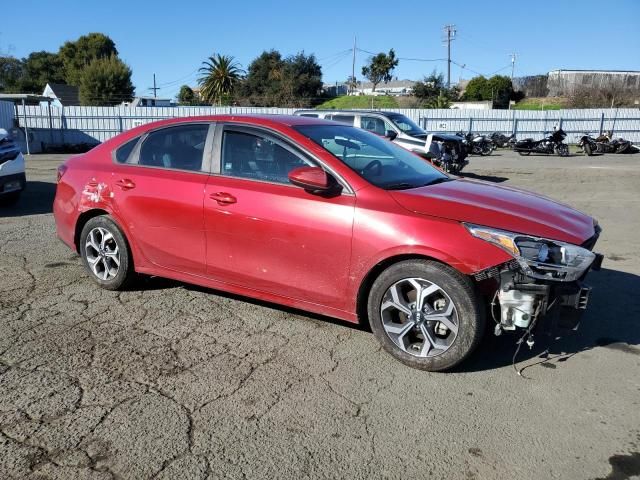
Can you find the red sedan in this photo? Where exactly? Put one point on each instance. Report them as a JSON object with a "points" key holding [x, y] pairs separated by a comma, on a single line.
{"points": [[330, 219]]}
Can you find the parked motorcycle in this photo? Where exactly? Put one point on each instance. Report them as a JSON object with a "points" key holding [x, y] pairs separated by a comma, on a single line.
{"points": [[476, 144], [447, 152], [500, 140], [549, 145], [604, 144]]}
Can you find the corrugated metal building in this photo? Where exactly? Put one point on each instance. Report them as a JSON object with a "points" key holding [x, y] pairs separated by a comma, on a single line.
{"points": [[566, 82]]}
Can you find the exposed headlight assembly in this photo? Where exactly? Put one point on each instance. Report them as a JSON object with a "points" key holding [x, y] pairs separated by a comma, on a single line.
{"points": [[539, 257]]}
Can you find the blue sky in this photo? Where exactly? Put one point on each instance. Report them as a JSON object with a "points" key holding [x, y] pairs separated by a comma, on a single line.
{"points": [[173, 38]]}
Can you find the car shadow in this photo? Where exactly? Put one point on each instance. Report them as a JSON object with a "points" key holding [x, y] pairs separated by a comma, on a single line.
{"points": [[36, 199], [610, 321], [486, 178], [160, 283]]}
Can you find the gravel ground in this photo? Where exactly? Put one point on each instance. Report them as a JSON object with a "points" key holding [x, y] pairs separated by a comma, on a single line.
{"points": [[174, 381]]}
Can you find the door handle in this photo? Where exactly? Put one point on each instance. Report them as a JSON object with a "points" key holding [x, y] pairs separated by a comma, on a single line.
{"points": [[223, 198], [126, 184]]}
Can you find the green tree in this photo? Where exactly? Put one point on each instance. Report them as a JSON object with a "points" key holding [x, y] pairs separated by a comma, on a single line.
{"points": [[220, 75], [12, 73], [42, 68], [303, 75], [477, 89], [186, 96], [433, 93], [497, 88], [380, 68], [77, 55], [263, 81], [272, 80], [106, 81], [501, 90]]}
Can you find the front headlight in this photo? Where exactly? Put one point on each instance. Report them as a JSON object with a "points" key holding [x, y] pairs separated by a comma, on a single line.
{"points": [[539, 257]]}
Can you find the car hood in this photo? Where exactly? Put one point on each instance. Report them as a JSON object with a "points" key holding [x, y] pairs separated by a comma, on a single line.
{"points": [[505, 208]]}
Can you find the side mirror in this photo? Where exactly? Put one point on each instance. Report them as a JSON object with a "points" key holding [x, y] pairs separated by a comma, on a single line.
{"points": [[391, 135], [313, 180]]}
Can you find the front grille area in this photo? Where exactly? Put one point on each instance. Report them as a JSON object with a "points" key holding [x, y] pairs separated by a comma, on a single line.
{"points": [[494, 272]]}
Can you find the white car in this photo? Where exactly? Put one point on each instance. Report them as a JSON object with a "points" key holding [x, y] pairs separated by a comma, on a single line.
{"points": [[12, 177]]}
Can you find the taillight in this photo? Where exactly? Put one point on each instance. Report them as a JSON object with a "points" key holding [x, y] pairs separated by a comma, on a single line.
{"points": [[61, 171]]}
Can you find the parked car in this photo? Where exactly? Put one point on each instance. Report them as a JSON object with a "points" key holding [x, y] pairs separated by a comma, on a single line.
{"points": [[327, 218], [445, 151], [12, 176]]}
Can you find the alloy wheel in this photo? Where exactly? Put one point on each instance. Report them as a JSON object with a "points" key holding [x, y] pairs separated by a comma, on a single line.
{"points": [[419, 317], [102, 253]]}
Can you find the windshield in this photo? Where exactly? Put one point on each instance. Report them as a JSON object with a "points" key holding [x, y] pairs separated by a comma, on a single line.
{"points": [[375, 159], [405, 124]]}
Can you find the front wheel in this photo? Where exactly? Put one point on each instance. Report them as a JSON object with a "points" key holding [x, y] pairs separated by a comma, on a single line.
{"points": [[425, 314], [588, 150], [106, 254], [563, 150]]}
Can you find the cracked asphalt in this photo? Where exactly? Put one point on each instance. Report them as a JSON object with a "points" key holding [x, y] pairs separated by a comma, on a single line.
{"points": [[171, 381]]}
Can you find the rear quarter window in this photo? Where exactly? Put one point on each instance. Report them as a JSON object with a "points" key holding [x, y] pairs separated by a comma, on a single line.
{"points": [[347, 119], [124, 152]]}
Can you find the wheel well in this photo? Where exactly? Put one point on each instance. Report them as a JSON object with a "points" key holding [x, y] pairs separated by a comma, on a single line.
{"points": [[82, 221], [365, 286]]}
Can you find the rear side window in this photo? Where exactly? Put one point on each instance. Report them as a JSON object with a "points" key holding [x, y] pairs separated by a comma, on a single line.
{"points": [[348, 119], [124, 152], [180, 147], [314, 115]]}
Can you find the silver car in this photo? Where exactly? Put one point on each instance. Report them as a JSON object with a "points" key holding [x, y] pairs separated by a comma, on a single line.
{"points": [[446, 151]]}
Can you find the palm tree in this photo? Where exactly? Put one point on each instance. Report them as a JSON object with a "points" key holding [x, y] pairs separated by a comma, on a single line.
{"points": [[219, 76]]}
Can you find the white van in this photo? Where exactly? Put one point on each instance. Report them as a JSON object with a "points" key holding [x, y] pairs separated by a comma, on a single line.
{"points": [[12, 176]]}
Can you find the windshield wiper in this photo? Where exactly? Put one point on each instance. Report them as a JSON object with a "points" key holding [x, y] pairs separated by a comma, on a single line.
{"points": [[400, 186], [435, 181]]}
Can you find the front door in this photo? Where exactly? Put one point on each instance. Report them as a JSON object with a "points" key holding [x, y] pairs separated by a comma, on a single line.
{"points": [[265, 233], [159, 194]]}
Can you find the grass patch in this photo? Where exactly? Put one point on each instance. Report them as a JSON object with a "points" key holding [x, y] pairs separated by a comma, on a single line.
{"points": [[359, 101], [541, 103]]}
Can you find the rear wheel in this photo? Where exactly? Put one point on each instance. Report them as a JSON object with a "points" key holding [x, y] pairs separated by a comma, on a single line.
{"points": [[525, 152], [425, 314], [106, 254]]}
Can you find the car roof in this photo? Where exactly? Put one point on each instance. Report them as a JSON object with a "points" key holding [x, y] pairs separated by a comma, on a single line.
{"points": [[267, 120]]}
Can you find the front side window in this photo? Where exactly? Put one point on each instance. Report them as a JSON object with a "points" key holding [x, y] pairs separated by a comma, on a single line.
{"points": [[375, 159], [375, 125], [405, 124], [257, 157], [180, 147]]}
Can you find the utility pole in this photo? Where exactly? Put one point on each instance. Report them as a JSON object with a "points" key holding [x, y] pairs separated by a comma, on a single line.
{"points": [[352, 87], [154, 88], [513, 65], [449, 32]]}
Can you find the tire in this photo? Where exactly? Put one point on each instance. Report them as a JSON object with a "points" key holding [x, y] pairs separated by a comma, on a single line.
{"points": [[106, 253], [486, 150], [563, 150], [588, 151], [452, 299], [624, 148], [524, 152]]}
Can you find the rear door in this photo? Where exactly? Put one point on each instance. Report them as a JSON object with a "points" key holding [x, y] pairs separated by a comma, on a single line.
{"points": [[267, 234], [158, 191]]}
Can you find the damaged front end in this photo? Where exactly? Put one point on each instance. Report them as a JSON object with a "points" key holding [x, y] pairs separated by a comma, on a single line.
{"points": [[545, 280]]}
